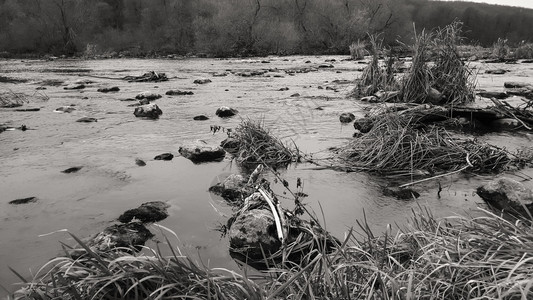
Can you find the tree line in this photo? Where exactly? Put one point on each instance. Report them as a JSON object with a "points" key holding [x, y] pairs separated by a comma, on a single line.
{"points": [[240, 27]]}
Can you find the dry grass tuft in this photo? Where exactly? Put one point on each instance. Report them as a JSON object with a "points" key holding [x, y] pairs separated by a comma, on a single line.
{"points": [[256, 145], [399, 146]]}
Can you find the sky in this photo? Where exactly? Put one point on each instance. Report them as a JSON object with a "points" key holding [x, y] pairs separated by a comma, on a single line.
{"points": [[522, 3]]}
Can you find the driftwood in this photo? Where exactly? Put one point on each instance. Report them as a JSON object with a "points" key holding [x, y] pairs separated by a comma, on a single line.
{"points": [[460, 116]]}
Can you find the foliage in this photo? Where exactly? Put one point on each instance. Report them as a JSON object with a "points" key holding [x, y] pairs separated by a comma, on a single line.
{"points": [[238, 27]]}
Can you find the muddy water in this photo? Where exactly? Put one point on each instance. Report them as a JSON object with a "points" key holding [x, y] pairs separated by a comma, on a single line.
{"points": [[110, 182]]}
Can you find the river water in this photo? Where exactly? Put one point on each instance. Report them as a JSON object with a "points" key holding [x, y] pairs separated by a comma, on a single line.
{"points": [[110, 182]]}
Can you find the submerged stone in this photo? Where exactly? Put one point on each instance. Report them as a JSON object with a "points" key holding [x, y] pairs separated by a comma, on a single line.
{"points": [[148, 95], [107, 90], [140, 162], [87, 120]]}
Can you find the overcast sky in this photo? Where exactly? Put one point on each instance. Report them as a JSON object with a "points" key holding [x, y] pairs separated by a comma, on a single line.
{"points": [[522, 3]]}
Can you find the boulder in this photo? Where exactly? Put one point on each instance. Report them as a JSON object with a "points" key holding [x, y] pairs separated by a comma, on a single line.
{"points": [[226, 112], [151, 111], [107, 90], [164, 156], [74, 87], [148, 96], [87, 120], [200, 118], [71, 170], [140, 162], [231, 145], [199, 153], [232, 189], [128, 235], [178, 93], [148, 212], [507, 195], [23, 201], [346, 117], [65, 109], [364, 125], [517, 85], [202, 81], [252, 234], [496, 71], [497, 95]]}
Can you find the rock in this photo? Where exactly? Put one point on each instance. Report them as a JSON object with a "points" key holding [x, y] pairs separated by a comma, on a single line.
{"points": [[23, 201], [370, 99], [164, 156], [507, 195], [434, 95], [107, 90], [283, 89], [226, 112], [496, 71], [202, 81], [151, 111], [517, 85], [200, 118], [87, 120], [363, 125], [231, 145], [232, 189], [74, 87], [325, 66], [505, 123], [140, 162], [252, 233], [65, 109], [199, 153], [295, 95], [120, 235], [401, 193], [497, 95], [347, 117], [178, 93], [148, 212], [71, 170], [220, 74], [148, 96], [27, 109]]}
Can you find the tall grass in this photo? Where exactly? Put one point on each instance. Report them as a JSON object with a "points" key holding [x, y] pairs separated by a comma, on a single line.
{"points": [[485, 257], [416, 84]]}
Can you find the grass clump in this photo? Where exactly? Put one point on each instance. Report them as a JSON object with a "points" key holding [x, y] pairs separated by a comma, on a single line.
{"points": [[451, 77], [357, 50], [376, 77], [398, 145], [123, 274], [416, 85], [254, 144]]}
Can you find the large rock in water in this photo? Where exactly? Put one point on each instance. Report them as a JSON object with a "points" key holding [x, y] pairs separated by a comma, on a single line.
{"points": [[508, 195], [120, 235], [232, 189], [148, 95], [199, 153], [151, 111], [148, 212], [252, 234], [226, 112], [346, 117]]}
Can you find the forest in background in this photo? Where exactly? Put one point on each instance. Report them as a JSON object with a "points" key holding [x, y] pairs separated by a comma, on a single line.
{"points": [[240, 27]]}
